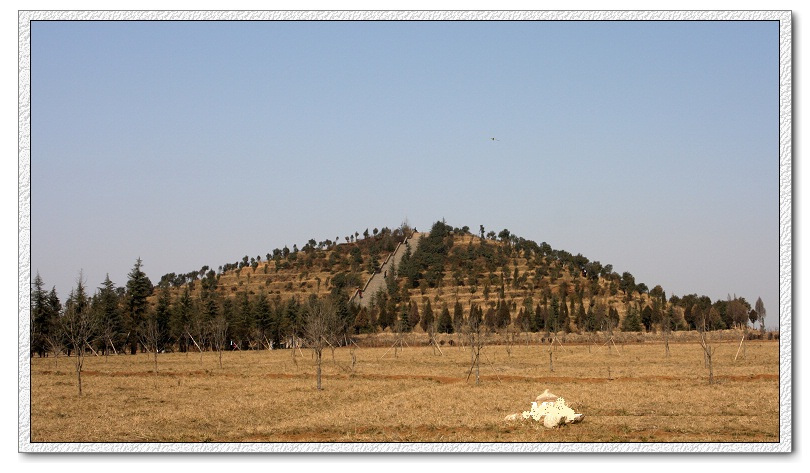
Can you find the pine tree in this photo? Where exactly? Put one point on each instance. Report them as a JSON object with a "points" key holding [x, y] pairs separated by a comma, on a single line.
{"points": [[109, 314], [632, 321], [54, 306], [383, 319], [427, 319], [540, 318], [413, 317], [553, 319], [445, 324], [362, 323], [581, 318], [504, 317], [458, 316], [163, 314], [491, 318], [646, 319], [564, 318], [475, 317], [180, 320], [40, 322], [139, 287], [261, 323]]}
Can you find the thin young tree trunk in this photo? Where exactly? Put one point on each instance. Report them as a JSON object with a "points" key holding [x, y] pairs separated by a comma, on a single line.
{"points": [[478, 367], [711, 370], [318, 369]]}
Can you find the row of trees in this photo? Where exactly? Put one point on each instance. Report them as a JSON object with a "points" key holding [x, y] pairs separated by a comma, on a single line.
{"points": [[121, 319], [359, 255], [142, 316], [575, 293]]}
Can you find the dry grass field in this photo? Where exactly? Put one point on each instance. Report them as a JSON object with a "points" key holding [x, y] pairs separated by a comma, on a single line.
{"points": [[634, 395]]}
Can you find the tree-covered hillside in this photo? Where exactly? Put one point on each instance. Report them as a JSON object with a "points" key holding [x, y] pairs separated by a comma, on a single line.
{"points": [[507, 281]]}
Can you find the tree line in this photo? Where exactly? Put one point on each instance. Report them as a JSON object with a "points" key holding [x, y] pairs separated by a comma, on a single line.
{"points": [[560, 292], [122, 320]]}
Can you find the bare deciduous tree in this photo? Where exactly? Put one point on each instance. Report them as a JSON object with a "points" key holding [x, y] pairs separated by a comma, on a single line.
{"points": [[150, 336], [509, 334], [667, 328], [320, 323], [474, 331], [708, 351], [56, 343], [197, 331], [219, 334], [77, 325]]}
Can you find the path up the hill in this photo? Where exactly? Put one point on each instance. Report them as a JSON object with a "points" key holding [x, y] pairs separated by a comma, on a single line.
{"points": [[377, 280]]}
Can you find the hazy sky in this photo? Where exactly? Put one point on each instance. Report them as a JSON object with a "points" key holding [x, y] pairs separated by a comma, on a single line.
{"points": [[652, 146]]}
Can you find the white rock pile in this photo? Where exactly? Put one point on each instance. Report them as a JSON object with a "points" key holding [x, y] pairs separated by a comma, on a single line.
{"points": [[549, 409]]}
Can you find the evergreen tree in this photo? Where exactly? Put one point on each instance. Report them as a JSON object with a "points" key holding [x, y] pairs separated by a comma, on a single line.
{"points": [[245, 325], [476, 315], [540, 321], [458, 316], [613, 319], [54, 306], [445, 324], [139, 288], [491, 318], [345, 314], [108, 312], [565, 317], [523, 321], [760, 308], [581, 318], [360, 324], [391, 282], [504, 317], [262, 326], [591, 324], [163, 315], [646, 319], [291, 318], [401, 323], [407, 269], [413, 317], [632, 321], [553, 324], [383, 319], [427, 319], [180, 320], [40, 321], [229, 316]]}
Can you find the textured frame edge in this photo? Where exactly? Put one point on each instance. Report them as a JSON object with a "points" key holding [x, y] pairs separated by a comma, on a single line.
{"points": [[785, 236]]}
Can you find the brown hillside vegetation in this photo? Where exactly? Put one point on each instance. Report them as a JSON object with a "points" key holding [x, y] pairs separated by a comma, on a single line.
{"points": [[312, 272], [635, 394], [514, 285], [299, 274]]}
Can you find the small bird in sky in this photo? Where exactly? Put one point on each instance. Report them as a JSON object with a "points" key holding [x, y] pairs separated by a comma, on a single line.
{"points": [[495, 139]]}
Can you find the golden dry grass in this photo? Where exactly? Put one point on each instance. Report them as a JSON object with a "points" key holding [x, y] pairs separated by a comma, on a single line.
{"points": [[267, 396]]}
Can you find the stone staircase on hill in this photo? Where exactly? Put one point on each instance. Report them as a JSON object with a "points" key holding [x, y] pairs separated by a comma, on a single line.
{"points": [[377, 280]]}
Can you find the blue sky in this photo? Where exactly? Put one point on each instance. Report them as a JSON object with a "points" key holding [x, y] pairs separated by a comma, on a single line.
{"points": [[652, 146]]}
